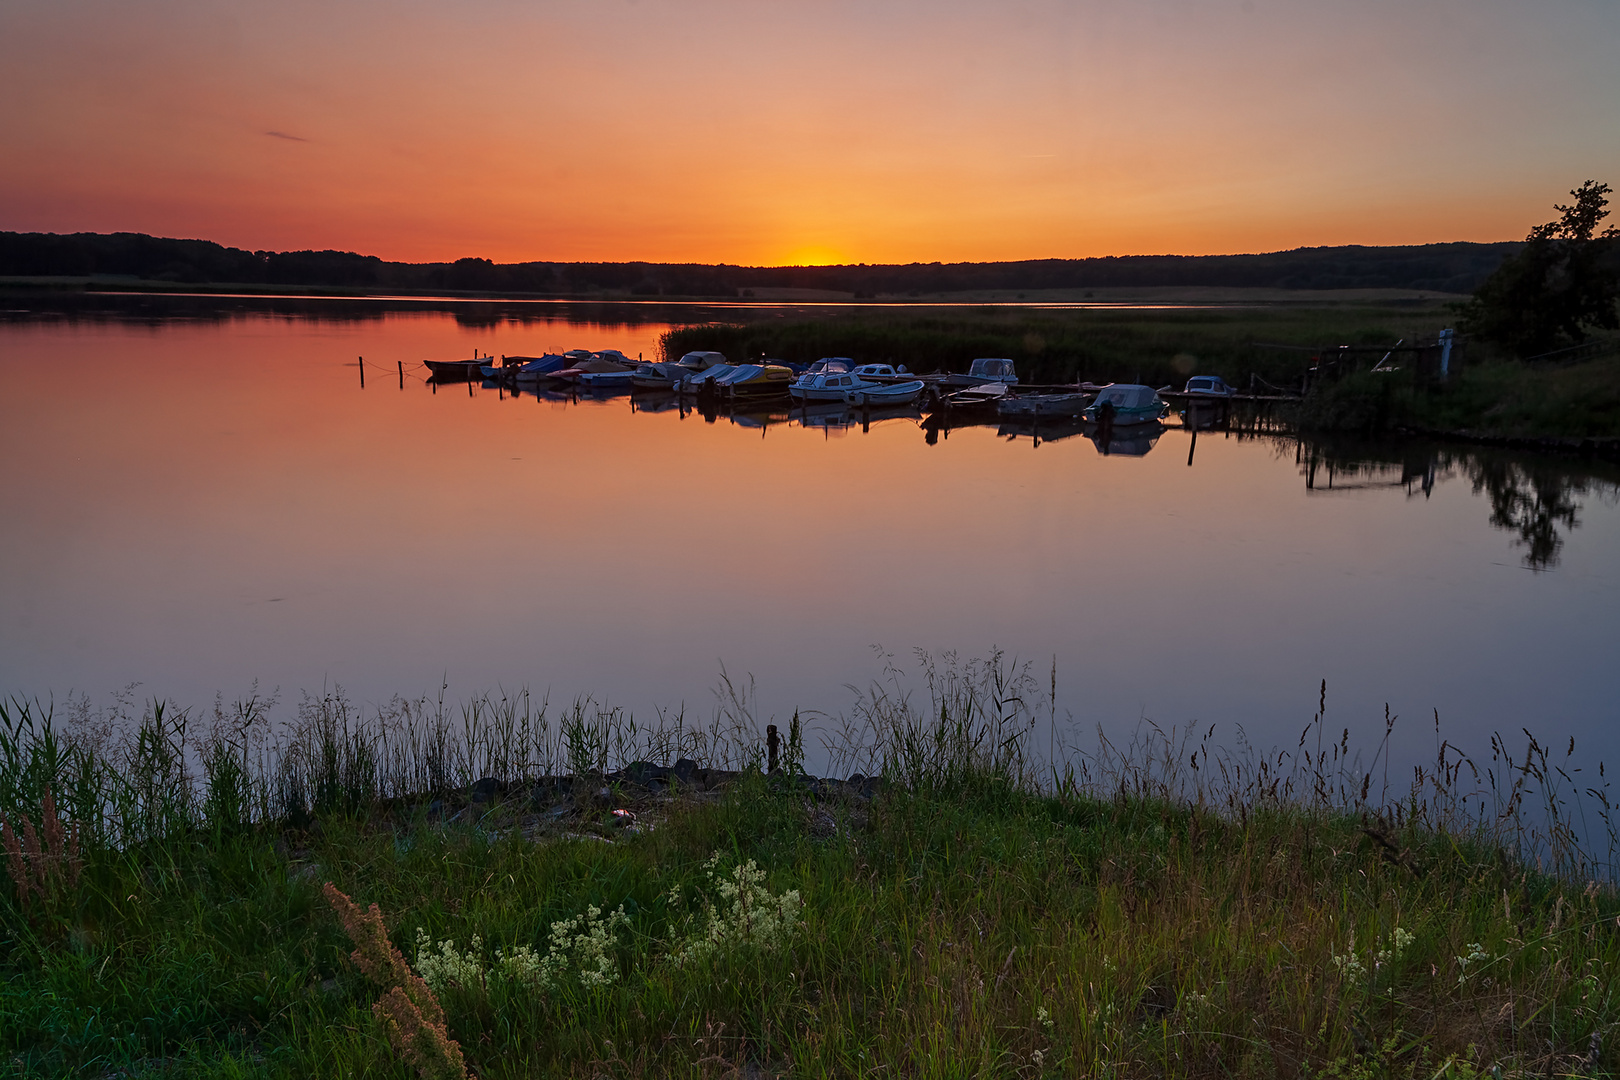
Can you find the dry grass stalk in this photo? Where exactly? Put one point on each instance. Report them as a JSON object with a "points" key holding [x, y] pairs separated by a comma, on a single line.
{"points": [[42, 867], [408, 1010]]}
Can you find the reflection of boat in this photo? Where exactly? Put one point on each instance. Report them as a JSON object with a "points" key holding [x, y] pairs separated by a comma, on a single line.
{"points": [[1123, 404], [826, 385], [877, 396], [1132, 441], [458, 370], [984, 371], [1031, 405], [1041, 429], [655, 401]]}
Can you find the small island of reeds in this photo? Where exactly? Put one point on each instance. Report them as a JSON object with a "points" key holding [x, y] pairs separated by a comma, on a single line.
{"points": [[508, 890]]}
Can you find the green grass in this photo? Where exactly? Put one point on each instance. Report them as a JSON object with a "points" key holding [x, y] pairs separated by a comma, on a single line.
{"points": [[1162, 911], [1486, 395], [1155, 346]]}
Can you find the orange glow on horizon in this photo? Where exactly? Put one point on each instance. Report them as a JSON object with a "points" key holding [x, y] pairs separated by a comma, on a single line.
{"points": [[723, 131]]}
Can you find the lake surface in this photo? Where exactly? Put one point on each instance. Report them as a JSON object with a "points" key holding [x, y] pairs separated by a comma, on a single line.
{"points": [[198, 501]]}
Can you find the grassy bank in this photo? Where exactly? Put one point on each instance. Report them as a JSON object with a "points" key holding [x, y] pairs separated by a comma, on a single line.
{"points": [[1487, 394], [1168, 910]]}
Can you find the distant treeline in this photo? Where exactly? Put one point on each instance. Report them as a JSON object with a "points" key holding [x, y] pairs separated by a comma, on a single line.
{"points": [[1457, 268]]}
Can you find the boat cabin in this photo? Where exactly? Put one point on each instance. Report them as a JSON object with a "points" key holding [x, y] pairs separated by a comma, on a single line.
{"points": [[882, 372], [701, 361], [993, 370], [1208, 386]]}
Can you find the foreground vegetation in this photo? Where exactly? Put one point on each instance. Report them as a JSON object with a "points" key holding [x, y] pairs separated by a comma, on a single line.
{"points": [[1166, 910]]}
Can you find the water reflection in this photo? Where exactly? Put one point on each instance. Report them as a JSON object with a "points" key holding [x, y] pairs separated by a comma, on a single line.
{"points": [[1537, 499]]}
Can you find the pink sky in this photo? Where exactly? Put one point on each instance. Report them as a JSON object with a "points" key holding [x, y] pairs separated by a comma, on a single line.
{"points": [[761, 132]]}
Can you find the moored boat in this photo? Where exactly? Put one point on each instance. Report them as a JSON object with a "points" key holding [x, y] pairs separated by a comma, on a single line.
{"points": [[1208, 386], [658, 375], [984, 370], [884, 373], [1121, 404], [458, 370], [1034, 405], [540, 368], [827, 385], [887, 394], [754, 379]]}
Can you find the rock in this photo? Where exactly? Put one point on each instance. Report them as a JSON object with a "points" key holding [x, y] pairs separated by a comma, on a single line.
{"points": [[486, 790], [645, 774], [548, 789], [687, 773]]}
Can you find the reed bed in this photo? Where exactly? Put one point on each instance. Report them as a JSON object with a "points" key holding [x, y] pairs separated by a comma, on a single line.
{"points": [[1165, 906]]}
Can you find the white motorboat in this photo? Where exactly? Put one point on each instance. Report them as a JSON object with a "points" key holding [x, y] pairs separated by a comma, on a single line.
{"points": [[884, 373], [701, 361], [890, 394], [827, 386], [659, 375], [985, 370], [829, 365], [1209, 386]]}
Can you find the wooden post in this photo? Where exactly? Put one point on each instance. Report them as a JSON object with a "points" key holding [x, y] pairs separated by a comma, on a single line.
{"points": [[361, 361], [401, 364], [771, 743]]}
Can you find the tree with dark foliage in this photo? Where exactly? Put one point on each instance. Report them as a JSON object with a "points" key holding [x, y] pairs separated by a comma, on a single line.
{"points": [[1563, 282]]}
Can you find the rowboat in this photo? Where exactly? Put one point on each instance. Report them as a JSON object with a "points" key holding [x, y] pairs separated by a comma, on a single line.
{"points": [[984, 395], [1032, 405], [893, 394], [458, 370]]}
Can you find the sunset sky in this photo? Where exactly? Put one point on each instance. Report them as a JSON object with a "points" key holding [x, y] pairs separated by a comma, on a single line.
{"points": [[756, 132]]}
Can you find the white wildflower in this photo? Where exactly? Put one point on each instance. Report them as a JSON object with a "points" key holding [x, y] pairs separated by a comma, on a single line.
{"points": [[448, 967], [747, 914]]}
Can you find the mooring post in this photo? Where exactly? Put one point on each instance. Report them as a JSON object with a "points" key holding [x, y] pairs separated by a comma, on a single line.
{"points": [[771, 743], [401, 364], [361, 362]]}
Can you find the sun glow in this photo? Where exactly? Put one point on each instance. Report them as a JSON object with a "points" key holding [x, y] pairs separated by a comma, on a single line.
{"points": [[813, 255]]}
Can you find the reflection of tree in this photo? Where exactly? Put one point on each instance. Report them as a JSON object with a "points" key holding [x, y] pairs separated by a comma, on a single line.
{"points": [[1533, 499], [1538, 499]]}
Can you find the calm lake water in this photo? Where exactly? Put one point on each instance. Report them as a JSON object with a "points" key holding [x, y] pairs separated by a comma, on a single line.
{"points": [[196, 503]]}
